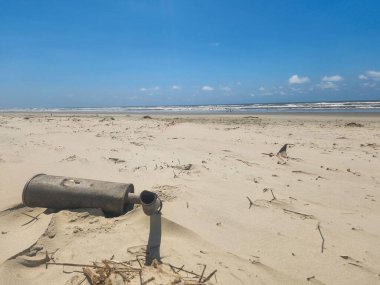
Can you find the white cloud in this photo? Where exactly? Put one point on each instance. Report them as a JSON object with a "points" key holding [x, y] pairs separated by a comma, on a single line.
{"points": [[226, 89], [370, 74], [374, 74], [261, 88], [333, 78], [144, 89], [369, 84], [295, 79], [328, 85], [207, 88], [150, 91], [176, 87]]}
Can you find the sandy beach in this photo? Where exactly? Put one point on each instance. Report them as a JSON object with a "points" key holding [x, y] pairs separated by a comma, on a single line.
{"points": [[229, 201]]}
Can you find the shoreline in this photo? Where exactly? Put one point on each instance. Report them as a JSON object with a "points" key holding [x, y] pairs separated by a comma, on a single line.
{"points": [[372, 114]]}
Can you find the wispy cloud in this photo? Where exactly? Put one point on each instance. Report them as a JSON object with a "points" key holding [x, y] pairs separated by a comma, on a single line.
{"points": [[330, 82], [328, 85], [208, 88], [261, 88], [295, 79], [150, 91], [370, 74], [226, 89], [144, 89], [333, 78], [369, 84], [176, 87]]}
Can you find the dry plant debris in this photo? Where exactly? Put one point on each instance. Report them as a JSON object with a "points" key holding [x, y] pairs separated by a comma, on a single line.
{"points": [[111, 272]]}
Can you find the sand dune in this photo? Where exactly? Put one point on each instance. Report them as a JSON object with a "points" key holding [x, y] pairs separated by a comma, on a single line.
{"points": [[230, 201]]}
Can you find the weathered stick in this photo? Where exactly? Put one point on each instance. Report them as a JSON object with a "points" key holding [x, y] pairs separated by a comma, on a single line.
{"points": [[298, 213], [250, 203], [203, 272], [357, 265], [274, 197], [34, 218], [138, 260], [181, 269], [141, 281], [323, 239], [209, 277], [147, 281], [74, 264], [30, 216], [269, 154], [89, 275], [123, 263]]}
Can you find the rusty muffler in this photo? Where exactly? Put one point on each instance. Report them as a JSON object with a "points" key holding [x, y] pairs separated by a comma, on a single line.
{"points": [[60, 192]]}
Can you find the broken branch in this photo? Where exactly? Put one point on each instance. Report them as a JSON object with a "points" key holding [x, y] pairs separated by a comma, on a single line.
{"points": [[250, 203], [203, 272], [209, 277], [298, 213], [323, 239]]}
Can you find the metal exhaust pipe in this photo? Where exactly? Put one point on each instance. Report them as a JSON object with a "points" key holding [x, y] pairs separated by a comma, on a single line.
{"points": [[59, 192], [114, 199], [150, 202]]}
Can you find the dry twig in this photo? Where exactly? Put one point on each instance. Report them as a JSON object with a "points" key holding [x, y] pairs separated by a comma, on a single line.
{"points": [[250, 203], [209, 277], [323, 239], [306, 216], [203, 272], [274, 197]]}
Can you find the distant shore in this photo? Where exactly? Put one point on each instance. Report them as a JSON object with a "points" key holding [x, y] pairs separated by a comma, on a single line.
{"points": [[222, 109], [332, 114]]}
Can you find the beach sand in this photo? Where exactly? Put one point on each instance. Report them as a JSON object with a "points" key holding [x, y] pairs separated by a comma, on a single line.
{"points": [[327, 189]]}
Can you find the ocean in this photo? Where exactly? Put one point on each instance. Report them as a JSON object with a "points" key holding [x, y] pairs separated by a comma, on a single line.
{"points": [[325, 107]]}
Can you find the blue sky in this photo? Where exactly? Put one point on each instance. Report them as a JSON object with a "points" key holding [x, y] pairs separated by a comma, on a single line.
{"points": [[117, 53]]}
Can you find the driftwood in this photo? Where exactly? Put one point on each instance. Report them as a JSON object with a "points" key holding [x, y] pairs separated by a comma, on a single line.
{"points": [[100, 273], [203, 272], [274, 197], [34, 218], [147, 281], [323, 239], [250, 203], [73, 264], [91, 278], [298, 213], [209, 277], [181, 269]]}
